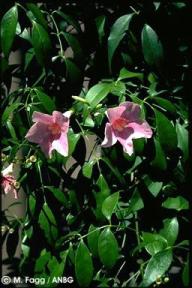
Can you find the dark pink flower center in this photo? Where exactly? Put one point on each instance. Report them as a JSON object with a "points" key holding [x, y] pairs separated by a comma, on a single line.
{"points": [[119, 124], [55, 129]]}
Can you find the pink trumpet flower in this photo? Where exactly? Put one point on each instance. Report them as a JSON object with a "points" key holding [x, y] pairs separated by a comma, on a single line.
{"points": [[124, 125], [8, 182], [50, 132]]}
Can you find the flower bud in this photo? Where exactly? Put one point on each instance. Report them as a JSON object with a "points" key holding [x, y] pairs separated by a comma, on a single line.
{"points": [[33, 158]]}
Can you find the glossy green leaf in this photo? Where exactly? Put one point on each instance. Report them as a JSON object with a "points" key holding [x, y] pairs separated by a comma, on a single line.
{"points": [[9, 110], [117, 33], [109, 205], [166, 132], [88, 169], [100, 196], [83, 265], [8, 29], [48, 224], [118, 88], [178, 203], [38, 15], [183, 140], [46, 100], [186, 274], [164, 103], [126, 74], [32, 204], [58, 194], [152, 47], [69, 19], [153, 243], [170, 230], [73, 73], [135, 203], [73, 139], [159, 161], [74, 44], [108, 248], [100, 23], [153, 186], [42, 261], [41, 43], [157, 266], [92, 239], [97, 93]]}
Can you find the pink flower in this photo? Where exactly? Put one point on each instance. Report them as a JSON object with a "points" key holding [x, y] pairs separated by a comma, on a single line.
{"points": [[8, 182], [124, 125], [50, 132]]}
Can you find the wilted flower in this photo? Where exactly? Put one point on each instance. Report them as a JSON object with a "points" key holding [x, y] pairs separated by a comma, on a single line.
{"points": [[125, 124], [8, 182], [50, 132]]}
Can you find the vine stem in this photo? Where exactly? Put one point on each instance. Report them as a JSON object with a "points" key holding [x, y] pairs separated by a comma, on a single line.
{"points": [[41, 180], [99, 228], [137, 231], [58, 37]]}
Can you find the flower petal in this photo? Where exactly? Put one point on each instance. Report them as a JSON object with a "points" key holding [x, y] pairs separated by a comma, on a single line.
{"points": [[61, 120], [61, 144], [38, 133], [46, 147], [110, 138], [42, 118], [115, 113], [141, 130], [8, 170], [132, 111]]}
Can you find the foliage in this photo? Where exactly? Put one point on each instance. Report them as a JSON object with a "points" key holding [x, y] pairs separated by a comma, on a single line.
{"points": [[122, 220]]}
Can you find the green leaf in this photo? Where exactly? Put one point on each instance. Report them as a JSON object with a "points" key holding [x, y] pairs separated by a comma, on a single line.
{"points": [[159, 161], [164, 103], [38, 15], [74, 44], [185, 274], [183, 140], [8, 29], [69, 19], [46, 100], [97, 93], [32, 204], [166, 132], [42, 261], [153, 187], [178, 203], [101, 196], [118, 88], [58, 194], [48, 224], [10, 109], [109, 205], [152, 47], [170, 230], [73, 139], [83, 265], [154, 243], [92, 239], [135, 203], [41, 43], [88, 168], [117, 33], [126, 74], [100, 23], [108, 248], [73, 73], [157, 266], [56, 269]]}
